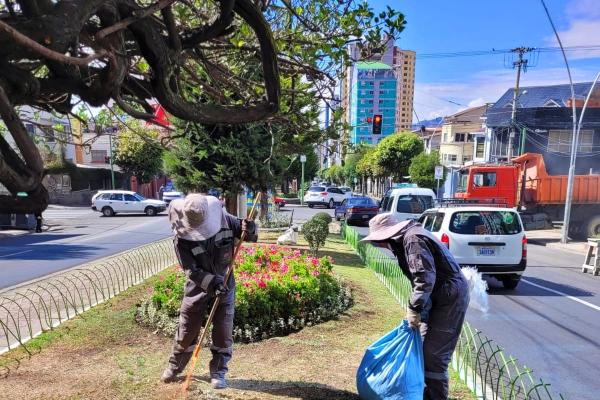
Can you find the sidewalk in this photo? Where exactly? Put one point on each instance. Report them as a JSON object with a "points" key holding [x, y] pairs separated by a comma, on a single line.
{"points": [[551, 238]]}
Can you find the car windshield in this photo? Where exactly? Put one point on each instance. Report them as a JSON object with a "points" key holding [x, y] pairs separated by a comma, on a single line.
{"points": [[485, 223], [139, 197], [316, 189], [361, 202], [462, 182], [414, 204]]}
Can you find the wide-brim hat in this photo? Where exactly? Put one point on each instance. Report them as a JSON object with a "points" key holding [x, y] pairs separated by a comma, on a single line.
{"points": [[383, 227], [196, 217]]}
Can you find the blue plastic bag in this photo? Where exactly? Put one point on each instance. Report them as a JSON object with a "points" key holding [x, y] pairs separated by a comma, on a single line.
{"points": [[392, 367]]}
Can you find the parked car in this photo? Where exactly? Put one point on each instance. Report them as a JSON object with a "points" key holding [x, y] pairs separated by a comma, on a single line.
{"points": [[324, 196], [357, 210], [111, 202], [491, 239], [347, 191], [408, 202], [279, 201], [169, 196]]}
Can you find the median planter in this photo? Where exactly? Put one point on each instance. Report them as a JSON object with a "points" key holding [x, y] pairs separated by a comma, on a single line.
{"points": [[279, 291]]}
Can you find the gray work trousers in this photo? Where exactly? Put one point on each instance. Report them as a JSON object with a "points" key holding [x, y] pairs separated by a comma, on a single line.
{"points": [[192, 316], [440, 334]]}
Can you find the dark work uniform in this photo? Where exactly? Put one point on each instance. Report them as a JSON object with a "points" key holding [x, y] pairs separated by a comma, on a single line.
{"points": [[201, 261], [440, 294]]}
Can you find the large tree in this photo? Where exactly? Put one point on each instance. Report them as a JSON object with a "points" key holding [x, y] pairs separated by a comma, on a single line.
{"points": [[422, 169], [208, 62], [395, 152]]}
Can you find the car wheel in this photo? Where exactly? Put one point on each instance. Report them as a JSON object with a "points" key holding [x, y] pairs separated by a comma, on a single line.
{"points": [[150, 211], [593, 227], [331, 203], [108, 212], [511, 282]]}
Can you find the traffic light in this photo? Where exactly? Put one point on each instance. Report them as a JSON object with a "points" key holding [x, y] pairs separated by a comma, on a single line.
{"points": [[377, 119]]}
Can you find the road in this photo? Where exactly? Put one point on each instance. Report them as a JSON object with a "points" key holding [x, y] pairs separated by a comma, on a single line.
{"points": [[76, 235], [550, 322]]}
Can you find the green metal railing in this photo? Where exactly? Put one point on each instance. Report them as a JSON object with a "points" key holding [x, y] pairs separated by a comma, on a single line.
{"points": [[479, 361]]}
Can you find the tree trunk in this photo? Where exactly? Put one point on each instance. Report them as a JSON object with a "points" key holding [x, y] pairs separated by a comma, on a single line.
{"points": [[231, 204], [264, 204]]}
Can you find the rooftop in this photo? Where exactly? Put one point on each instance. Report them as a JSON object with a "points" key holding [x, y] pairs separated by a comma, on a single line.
{"points": [[372, 65], [543, 96]]}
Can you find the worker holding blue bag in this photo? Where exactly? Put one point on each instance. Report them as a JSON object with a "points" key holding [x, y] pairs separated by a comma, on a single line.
{"points": [[440, 295]]}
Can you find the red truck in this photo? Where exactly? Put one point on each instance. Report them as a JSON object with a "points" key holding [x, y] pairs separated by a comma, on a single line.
{"points": [[540, 197]]}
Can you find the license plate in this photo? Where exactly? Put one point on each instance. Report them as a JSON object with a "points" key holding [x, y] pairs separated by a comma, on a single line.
{"points": [[487, 251], [365, 216]]}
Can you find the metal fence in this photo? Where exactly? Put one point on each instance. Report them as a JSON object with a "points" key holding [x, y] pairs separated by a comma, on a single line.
{"points": [[30, 309], [479, 361]]}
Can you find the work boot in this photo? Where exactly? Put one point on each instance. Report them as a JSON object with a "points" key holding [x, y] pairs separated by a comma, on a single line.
{"points": [[169, 376], [218, 383]]}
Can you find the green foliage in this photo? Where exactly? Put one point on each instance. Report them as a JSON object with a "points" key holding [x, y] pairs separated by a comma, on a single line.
{"points": [[335, 174], [315, 231], [278, 291], [351, 162], [422, 169], [368, 165], [324, 216], [395, 152], [139, 153]]}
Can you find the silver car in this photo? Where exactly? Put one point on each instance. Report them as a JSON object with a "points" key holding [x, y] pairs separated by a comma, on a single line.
{"points": [[111, 202]]}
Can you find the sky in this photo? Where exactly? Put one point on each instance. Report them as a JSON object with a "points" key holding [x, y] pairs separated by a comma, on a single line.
{"points": [[443, 26]]}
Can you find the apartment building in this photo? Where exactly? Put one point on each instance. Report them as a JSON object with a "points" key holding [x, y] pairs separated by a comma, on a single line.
{"points": [[463, 137]]}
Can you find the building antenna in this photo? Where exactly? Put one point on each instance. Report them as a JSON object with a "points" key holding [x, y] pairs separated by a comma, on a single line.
{"points": [[521, 65]]}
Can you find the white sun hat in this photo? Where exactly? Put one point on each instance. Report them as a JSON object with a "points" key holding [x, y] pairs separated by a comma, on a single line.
{"points": [[197, 217]]}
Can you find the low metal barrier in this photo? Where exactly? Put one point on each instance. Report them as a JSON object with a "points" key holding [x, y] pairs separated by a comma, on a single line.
{"points": [[30, 309], [480, 362]]}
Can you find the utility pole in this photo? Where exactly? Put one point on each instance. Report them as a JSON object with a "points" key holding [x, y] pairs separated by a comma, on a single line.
{"points": [[110, 158], [521, 65]]}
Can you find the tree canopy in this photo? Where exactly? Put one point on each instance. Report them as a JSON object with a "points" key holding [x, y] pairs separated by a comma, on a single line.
{"points": [[394, 153], [422, 169], [204, 61], [139, 156]]}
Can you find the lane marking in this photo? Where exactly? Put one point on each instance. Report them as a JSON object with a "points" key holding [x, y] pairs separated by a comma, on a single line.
{"points": [[585, 303], [14, 254]]}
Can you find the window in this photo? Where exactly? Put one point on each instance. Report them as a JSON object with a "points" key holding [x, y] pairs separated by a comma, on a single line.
{"points": [[104, 196], [99, 156], [449, 157], [432, 221], [559, 141], [459, 137], [481, 179], [485, 223], [386, 204], [479, 147], [316, 189], [371, 92], [370, 101], [414, 204], [467, 158], [116, 197], [130, 197]]}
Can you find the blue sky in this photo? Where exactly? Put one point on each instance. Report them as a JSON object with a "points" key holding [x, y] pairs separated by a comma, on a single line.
{"points": [[435, 26]]}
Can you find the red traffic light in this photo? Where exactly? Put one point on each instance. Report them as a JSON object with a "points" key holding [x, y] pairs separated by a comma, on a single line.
{"points": [[369, 119], [377, 119]]}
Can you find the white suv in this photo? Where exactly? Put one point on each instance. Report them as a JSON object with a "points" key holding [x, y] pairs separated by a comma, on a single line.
{"points": [[111, 202], [490, 239], [325, 196]]}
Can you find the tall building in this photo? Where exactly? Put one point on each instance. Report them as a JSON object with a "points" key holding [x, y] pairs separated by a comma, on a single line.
{"points": [[394, 73]]}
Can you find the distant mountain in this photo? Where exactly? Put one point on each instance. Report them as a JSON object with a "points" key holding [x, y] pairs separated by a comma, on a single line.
{"points": [[428, 123]]}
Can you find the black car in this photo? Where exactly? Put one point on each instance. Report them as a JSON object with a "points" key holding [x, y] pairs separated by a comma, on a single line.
{"points": [[357, 210]]}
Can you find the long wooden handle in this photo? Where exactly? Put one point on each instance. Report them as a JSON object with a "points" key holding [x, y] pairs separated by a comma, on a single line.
{"points": [[213, 310]]}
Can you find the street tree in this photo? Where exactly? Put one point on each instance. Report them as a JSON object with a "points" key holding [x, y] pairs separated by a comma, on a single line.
{"points": [[207, 62], [422, 169], [395, 152], [351, 160], [138, 155], [335, 174]]}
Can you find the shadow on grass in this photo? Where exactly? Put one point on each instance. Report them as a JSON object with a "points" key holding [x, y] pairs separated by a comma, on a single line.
{"points": [[292, 389]]}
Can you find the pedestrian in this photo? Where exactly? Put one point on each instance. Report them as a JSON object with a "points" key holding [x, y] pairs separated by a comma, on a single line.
{"points": [[205, 236], [440, 294], [161, 191]]}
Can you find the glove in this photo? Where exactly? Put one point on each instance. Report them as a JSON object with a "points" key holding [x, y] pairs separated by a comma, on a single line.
{"points": [[413, 318], [248, 226], [218, 287]]}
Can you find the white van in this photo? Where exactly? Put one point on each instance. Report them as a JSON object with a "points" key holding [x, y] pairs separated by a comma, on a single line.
{"points": [[407, 202]]}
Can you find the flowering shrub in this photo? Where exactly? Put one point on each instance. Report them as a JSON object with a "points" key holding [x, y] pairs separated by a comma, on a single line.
{"points": [[279, 291]]}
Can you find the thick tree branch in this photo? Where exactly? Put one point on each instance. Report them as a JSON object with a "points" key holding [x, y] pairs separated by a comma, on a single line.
{"points": [[137, 15]]}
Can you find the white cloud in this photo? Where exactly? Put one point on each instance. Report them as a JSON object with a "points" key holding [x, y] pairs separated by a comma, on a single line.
{"points": [[437, 99], [583, 18]]}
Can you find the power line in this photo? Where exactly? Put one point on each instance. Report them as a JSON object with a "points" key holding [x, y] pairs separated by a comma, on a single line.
{"points": [[474, 53]]}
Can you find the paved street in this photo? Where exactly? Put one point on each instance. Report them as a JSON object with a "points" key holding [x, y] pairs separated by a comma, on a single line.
{"points": [[76, 235], [550, 322]]}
